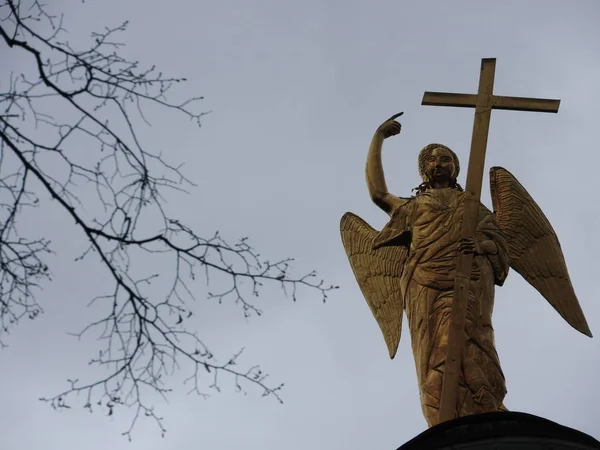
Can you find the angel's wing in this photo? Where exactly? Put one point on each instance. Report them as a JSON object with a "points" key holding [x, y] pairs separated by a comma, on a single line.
{"points": [[378, 275], [534, 249]]}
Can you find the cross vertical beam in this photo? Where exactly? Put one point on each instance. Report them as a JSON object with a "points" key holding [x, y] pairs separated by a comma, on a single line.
{"points": [[483, 102]]}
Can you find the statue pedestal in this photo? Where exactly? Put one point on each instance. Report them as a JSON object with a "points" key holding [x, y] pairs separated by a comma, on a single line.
{"points": [[501, 431]]}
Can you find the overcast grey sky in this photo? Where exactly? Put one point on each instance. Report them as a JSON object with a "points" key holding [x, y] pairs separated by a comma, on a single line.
{"points": [[297, 89]]}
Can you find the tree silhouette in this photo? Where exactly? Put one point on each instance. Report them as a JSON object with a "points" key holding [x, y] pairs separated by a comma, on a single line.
{"points": [[94, 96]]}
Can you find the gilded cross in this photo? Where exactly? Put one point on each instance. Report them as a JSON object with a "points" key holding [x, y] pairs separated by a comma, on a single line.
{"points": [[483, 102]]}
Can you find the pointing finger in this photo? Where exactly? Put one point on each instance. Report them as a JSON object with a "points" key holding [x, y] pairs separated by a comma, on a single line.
{"points": [[395, 116]]}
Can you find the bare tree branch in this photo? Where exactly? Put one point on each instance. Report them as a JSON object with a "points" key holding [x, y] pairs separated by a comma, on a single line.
{"points": [[142, 337]]}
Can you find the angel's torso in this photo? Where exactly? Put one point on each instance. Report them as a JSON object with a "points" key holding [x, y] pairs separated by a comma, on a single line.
{"points": [[434, 220]]}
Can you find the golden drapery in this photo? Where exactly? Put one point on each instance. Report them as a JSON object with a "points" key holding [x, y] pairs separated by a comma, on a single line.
{"points": [[433, 220]]}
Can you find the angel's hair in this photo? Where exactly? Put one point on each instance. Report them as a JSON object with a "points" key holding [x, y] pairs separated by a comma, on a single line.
{"points": [[423, 155]]}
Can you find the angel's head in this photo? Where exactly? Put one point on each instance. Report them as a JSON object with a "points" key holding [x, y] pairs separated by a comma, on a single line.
{"points": [[438, 166]]}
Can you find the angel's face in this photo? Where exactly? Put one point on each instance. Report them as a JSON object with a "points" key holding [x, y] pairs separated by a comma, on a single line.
{"points": [[440, 168]]}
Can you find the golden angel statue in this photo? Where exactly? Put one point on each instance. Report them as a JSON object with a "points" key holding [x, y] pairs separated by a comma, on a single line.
{"points": [[411, 265]]}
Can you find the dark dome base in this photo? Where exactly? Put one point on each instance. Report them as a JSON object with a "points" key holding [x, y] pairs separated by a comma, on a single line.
{"points": [[501, 431]]}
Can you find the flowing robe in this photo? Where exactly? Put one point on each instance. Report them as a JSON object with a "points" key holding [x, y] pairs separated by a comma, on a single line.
{"points": [[430, 224]]}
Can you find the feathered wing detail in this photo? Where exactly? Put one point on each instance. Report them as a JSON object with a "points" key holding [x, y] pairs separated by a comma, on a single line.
{"points": [[534, 249], [378, 275]]}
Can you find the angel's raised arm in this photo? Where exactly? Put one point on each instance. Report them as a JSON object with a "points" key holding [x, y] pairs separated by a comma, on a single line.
{"points": [[375, 176]]}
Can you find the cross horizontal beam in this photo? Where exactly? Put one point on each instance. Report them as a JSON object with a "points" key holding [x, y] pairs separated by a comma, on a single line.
{"points": [[495, 101]]}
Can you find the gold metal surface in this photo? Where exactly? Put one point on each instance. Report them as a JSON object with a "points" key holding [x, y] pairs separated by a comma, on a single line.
{"points": [[442, 253]]}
